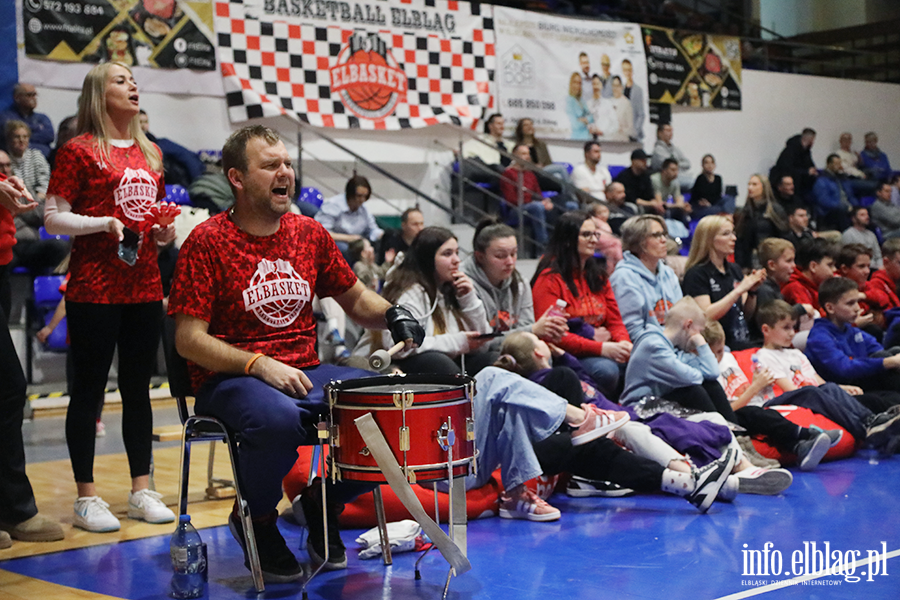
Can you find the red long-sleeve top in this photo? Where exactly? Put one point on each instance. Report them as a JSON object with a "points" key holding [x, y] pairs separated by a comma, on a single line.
{"points": [[7, 233], [597, 309]]}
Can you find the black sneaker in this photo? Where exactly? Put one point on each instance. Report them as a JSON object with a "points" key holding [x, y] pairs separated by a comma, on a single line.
{"points": [[883, 427], [579, 487], [278, 563], [709, 480], [810, 452], [311, 504]]}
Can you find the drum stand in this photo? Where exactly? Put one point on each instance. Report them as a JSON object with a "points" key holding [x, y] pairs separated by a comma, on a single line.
{"points": [[319, 457], [457, 517]]}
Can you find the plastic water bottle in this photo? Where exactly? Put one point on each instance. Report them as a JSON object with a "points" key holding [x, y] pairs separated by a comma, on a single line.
{"points": [[559, 310], [756, 366], [188, 561]]}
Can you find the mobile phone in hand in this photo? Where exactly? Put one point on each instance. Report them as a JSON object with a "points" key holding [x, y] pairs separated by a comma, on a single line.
{"points": [[129, 246]]}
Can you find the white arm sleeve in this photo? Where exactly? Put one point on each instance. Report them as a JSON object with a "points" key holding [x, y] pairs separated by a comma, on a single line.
{"points": [[60, 220]]}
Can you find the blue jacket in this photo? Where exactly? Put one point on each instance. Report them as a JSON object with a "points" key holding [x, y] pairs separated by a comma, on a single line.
{"points": [[842, 356], [657, 367], [875, 164], [644, 298], [827, 193]]}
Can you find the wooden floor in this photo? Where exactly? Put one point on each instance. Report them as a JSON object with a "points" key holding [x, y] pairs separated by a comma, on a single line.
{"points": [[55, 490]]}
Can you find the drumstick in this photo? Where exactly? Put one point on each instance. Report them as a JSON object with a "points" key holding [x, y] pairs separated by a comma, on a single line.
{"points": [[381, 359]]}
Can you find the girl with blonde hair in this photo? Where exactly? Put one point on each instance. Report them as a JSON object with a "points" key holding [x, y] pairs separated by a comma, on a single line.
{"points": [[104, 192]]}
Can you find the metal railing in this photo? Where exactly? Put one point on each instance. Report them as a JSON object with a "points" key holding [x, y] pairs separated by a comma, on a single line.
{"points": [[418, 194]]}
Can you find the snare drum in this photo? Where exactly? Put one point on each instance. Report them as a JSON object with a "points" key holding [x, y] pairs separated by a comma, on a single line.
{"points": [[422, 418]]}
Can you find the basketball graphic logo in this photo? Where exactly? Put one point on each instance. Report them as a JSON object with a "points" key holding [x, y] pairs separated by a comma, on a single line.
{"points": [[136, 193], [276, 293], [367, 78]]}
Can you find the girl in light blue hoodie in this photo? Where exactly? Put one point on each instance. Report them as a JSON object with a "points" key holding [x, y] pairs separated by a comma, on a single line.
{"points": [[645, 287]]}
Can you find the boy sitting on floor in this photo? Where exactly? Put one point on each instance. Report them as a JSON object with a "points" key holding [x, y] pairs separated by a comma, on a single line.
{"points": [[815, 264], [854, 262], [883, 285], [678, 364], [847, 354], [777, 256], [791, 371]]}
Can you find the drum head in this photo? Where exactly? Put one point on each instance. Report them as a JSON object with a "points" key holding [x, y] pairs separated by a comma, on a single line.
{"points": [[388, 384]]}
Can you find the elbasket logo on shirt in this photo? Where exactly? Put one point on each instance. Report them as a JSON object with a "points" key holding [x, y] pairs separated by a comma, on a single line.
{"points": [[276, 294], [136, 193]]}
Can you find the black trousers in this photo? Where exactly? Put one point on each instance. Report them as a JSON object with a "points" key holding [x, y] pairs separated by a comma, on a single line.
{"points": [[710, 397], [16, 496], [601, 459], [95, 331]]}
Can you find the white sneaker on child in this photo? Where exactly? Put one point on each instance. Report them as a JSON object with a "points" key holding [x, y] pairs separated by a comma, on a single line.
{"points": [[92, 514], [147, 505]]}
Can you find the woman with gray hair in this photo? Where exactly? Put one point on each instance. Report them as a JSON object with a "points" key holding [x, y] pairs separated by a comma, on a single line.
{"points": [[644, 285]]}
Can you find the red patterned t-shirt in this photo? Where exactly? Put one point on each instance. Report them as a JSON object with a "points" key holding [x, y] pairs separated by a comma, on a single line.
{"points": [[123, 187], [256, 292]]}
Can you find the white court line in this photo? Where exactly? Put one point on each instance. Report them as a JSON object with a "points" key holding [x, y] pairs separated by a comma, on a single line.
{"points": [[787, 583]]}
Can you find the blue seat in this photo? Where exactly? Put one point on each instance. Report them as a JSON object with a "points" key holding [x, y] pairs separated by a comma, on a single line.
{"points": [[614, 170], [46, 291], [42, 232], [311, 195], [178, 194]]}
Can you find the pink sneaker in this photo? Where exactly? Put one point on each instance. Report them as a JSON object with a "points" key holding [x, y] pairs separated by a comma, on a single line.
{"points": [[597, 423], [522, 503], [101, 429]]}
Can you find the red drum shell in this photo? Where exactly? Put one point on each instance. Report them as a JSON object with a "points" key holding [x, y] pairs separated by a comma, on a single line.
{"points": [[435, 398]]}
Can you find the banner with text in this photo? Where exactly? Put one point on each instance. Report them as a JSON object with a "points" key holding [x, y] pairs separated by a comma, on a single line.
{"points": [[575, 79], [693, 69], [171, 34], [357, 64]]}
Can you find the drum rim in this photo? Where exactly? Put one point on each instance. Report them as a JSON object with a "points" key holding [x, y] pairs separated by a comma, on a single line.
{"points": [[348, 385]]}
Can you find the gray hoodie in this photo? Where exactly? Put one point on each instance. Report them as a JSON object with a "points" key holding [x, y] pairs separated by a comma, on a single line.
{"points": [[503, 313]]}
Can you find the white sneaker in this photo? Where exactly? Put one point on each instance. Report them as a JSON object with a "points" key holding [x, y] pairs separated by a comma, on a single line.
{"points": [[147, 505], [92, 514]]}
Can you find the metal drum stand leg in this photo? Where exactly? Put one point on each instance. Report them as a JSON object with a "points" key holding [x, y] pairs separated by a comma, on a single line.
{"points": [[322, 428]]}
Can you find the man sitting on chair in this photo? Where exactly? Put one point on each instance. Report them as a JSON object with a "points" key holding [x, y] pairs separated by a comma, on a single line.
{"points": [[241, 299]]}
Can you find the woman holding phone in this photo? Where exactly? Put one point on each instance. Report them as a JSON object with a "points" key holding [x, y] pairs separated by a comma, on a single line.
{"points": [[442, 298], [104, 192]]}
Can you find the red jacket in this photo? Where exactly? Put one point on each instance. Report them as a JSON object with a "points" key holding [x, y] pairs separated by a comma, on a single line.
{"points": [[7, 233], [509, 186], [597, 310], [881, 291], [800, 289]]}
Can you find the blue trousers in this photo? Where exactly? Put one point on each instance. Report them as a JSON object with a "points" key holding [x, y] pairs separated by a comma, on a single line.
{"points": [[272, 425]]}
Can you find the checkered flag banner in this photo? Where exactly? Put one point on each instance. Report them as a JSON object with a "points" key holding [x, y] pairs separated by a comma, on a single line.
{"points": [[376, 64]]}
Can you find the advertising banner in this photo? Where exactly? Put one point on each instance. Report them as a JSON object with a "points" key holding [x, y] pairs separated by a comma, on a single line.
{"points": [[576, 79], [170, 34], [693, 69], [357, 64]]}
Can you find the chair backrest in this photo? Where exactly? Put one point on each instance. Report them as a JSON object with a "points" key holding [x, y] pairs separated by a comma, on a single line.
{"points": [[176, 369], [178, 194], [312, 195], [46, 290], [42, 233]]}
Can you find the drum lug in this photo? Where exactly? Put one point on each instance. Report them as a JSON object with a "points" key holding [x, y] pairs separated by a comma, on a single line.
{"points": [[332, 395], [411, 477], [446, 436], [336, 437], [404, 439], [470, 429], [404, 399]]}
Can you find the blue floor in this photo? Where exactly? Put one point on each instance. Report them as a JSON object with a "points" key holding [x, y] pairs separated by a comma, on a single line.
{"points": [[644, 547]]}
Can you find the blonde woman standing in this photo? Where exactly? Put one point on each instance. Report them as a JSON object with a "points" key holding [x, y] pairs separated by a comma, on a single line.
{"points": [[103, 191]]}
